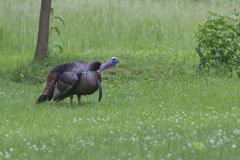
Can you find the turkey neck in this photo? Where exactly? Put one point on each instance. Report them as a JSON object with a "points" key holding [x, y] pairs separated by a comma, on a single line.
{"points": [[104, 66]]}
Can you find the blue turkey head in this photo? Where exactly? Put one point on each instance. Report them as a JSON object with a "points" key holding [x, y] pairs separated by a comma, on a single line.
{"points": [[109, 64], [114, 61]]}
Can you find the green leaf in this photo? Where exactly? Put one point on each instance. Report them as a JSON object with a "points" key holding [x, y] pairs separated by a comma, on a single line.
{"points": [[59, 47], [238, 26], [52, 12], [56, 29], [21, 75], [60, 19]]}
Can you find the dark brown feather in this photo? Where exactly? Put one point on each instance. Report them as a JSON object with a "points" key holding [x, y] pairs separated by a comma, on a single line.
{"points": [[47, 93]]}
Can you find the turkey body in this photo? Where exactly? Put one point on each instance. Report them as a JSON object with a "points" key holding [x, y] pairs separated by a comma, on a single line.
{"points": [[75, 78], [87, 83], [74, 68], [84, 83]]}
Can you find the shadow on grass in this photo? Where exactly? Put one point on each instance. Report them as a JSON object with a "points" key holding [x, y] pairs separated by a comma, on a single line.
{"points": [[66, 104]]}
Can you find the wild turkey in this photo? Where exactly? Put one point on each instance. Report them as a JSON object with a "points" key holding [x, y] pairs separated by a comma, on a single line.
{"points": [[70, 84], [74, 68]]}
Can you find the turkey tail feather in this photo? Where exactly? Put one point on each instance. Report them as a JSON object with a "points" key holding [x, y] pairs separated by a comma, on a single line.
{"points": [[47, 93]]}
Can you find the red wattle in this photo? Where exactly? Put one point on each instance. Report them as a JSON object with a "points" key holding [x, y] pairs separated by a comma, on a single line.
{"points": [[98, 71]]}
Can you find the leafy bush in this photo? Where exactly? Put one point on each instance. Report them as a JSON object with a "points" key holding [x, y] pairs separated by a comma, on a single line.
{"points": [[219, 42]]}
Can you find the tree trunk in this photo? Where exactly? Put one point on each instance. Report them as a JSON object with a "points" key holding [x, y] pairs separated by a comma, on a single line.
{"points": [[43, 30]]}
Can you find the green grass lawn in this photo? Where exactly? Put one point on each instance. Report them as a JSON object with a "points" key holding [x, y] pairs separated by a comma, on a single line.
{"points": [[154, 106], [137, 119]]}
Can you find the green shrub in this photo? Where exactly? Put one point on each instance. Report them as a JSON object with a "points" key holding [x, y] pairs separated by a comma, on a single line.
{"points": [[219, 43]]}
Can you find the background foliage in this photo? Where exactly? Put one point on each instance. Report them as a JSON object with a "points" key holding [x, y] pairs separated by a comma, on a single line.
{"points": [[219, 42]]}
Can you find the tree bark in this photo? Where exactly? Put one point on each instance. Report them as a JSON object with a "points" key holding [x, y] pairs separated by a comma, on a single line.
{"points": [[43, 30]]}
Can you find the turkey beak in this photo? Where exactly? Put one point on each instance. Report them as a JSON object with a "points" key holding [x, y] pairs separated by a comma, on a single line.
{"points": [[118, 61]]}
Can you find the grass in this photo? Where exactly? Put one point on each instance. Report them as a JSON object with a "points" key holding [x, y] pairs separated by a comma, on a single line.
{"points": [[155, 107], [170, 119]]}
